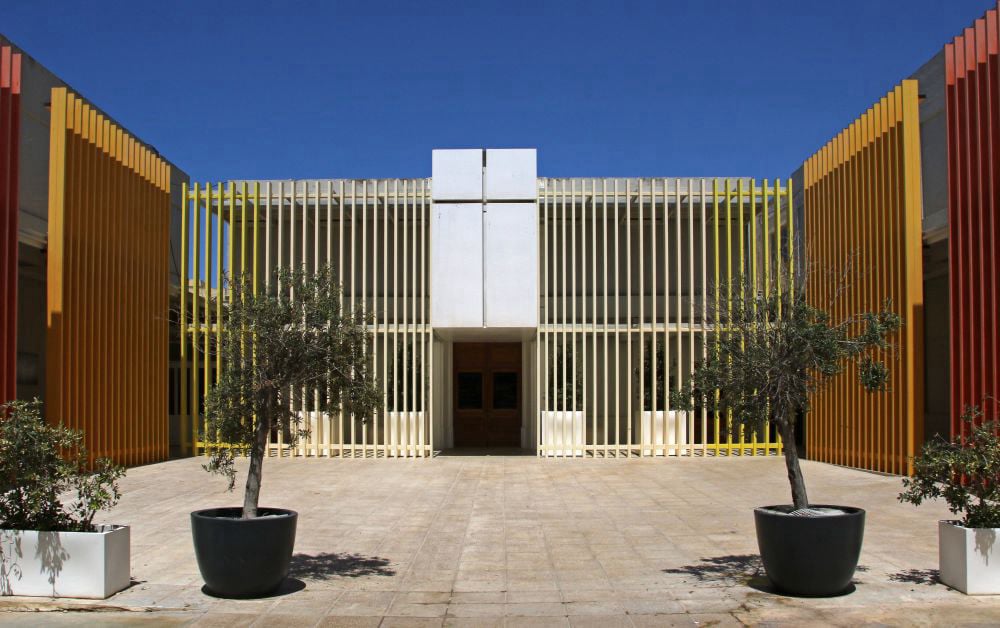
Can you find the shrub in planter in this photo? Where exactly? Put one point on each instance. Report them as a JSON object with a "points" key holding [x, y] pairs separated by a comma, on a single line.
{"points": [[278, 349], [50, 492], [775, 351], [966, 474]]}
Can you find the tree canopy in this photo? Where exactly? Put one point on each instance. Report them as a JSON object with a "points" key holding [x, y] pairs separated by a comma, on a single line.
{"points": [[281, 350], [772, 350]]}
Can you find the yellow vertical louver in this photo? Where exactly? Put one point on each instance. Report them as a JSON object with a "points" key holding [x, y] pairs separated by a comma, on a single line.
{"points": [[626, 272], [373, 235]]}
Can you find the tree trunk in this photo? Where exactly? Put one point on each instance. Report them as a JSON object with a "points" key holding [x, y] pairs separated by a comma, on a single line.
{"points": [[251, 496], [799, 498]]}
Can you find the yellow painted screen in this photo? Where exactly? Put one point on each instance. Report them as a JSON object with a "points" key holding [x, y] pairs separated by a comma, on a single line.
{"points": [[862, 198], [108, 248], [626, 272], [373, 235]]}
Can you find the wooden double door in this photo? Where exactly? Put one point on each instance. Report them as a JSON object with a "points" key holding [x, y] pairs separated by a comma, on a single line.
{"points": [[487, 391]]}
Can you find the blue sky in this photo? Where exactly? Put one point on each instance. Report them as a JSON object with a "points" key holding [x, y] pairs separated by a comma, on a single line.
{"points": [[366, 89]]}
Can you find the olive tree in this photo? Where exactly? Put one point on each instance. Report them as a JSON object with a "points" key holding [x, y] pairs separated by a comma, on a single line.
{"points": [[773, 350], [280, 349]]}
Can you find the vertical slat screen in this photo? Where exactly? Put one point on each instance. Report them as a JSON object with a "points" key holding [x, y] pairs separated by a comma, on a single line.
{"points": [[108, 248], [862, 198], [10, 125], [373, 234], [626, 269], [972, 105]]}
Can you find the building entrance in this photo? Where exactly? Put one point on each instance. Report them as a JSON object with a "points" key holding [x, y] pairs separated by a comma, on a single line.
{"points": [[487, 394]]}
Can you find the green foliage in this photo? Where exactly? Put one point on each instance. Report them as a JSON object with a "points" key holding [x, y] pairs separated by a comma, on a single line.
{"points": [[661, 379], [776, 349], [404, 382], [772, 350], [41, 465], [278, 348], [562, 383], [966, 474]]}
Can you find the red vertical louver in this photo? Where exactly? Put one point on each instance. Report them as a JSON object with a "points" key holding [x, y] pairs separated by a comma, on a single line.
{"points": [[973, 120], [10, 117]]}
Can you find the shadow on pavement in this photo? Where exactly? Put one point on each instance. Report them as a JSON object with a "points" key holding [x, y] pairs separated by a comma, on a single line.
{"points": [[728, 570], [929, 577], [740, 569], [325, 566]]}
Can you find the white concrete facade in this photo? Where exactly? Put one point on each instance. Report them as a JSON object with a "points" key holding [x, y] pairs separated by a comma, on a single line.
{"points": [[457, 265], [484, 255], [602, 283], [511, 260]]}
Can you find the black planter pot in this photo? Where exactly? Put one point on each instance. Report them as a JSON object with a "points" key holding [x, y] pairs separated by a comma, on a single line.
{"points": [[810, 556], [243, 557]]}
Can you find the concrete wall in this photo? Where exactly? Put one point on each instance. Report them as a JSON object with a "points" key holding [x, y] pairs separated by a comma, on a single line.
{"points": [[457, 265], [31, 323], [937, 350], [934, 146], [511, 259], [934, 179], [37, 83]]}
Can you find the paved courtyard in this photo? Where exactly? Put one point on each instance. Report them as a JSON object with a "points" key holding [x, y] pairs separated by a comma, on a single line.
{"points": [[521, 541]]}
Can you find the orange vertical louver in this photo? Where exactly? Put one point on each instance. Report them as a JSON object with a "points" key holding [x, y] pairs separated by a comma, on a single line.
{"points": [[862, 196], [108, 231]]}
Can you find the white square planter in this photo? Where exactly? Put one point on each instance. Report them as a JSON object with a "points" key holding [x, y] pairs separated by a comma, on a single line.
{"points": [[656, 431], [563, 430], [404, 432], [969, 558], [65, 564]]}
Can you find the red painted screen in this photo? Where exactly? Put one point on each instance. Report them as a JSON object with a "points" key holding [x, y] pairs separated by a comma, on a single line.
{"points": [[10, 117], [973, 121]]}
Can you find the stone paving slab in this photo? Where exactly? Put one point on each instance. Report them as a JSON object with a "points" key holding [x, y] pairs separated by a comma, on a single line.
{"points": [[520, 541]]}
